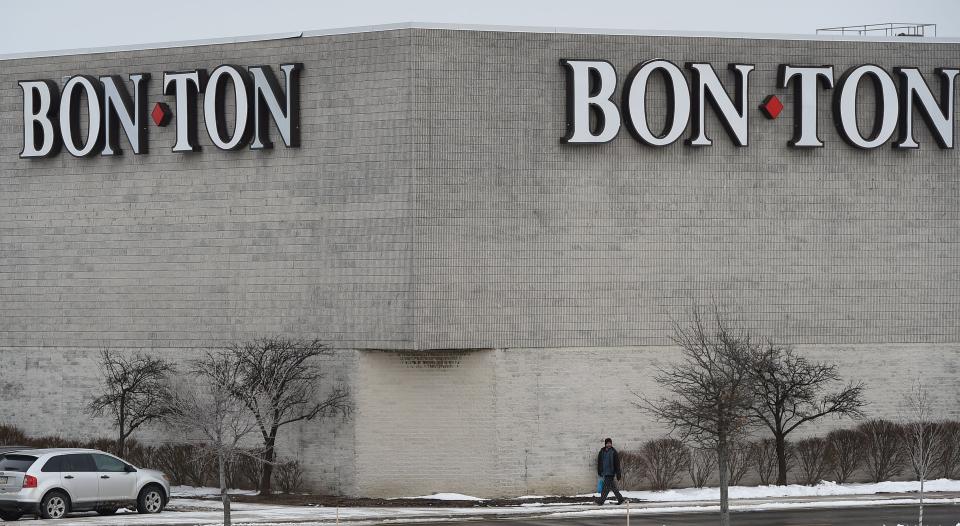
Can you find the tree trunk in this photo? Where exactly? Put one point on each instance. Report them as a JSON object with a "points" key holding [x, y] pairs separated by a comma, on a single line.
{"points": [[224, 496], [266, 470], [921, 501], [724, 482], [121, 423], [781, 442]]}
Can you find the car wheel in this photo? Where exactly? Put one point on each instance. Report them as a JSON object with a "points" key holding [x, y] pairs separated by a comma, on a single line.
{"points": [[107, 511], [9, 516], [55, 505], [150, 500]]}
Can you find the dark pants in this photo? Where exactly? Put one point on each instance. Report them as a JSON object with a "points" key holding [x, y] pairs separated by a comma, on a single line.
{"points": [[609, 485]]}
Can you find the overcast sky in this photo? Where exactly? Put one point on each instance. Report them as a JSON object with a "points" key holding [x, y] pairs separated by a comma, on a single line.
{"points": [[39, 25]]}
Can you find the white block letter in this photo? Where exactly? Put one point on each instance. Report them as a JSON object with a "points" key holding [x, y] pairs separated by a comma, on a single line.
{"points": [[590, 84]]}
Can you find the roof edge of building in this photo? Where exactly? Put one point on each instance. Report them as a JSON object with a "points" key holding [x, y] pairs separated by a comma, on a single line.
{"points": [[474, 27]]}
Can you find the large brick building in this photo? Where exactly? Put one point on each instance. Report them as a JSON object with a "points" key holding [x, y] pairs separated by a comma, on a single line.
{"points": [[496, 295]]}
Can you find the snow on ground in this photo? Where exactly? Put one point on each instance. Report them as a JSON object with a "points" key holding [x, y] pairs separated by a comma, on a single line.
{"points": [[447, 496], [197, 492], [195, 511], [766, 506], [823, 489]]}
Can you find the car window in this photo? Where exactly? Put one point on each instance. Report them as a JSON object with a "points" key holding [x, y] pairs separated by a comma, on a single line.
{"points": [[53, 465], [109, 464], [79, 462], [16, 462]]}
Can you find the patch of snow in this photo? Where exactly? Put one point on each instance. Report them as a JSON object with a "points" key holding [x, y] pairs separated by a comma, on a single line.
{"points": [[447, 496], [200, 492], [193, 504], [767, 506], [823, 489], [194, 511]]}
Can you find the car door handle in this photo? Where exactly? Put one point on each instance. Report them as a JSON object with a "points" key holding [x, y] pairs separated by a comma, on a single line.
{"points": [[104, 476], [68, 477]]}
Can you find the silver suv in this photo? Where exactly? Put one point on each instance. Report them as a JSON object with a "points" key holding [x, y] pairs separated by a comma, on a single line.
{"points": [[53, 482]]}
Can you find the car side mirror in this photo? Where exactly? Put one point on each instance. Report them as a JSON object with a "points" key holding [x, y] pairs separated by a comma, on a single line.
{"points": [[130, 469]]}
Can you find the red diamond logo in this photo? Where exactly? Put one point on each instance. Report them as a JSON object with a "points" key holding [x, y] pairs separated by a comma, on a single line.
{"points": [[771, 107], [161, 114]]}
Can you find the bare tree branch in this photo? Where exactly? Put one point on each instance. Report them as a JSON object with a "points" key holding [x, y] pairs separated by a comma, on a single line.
{"points": [[923, 439], [279, 381], [205, 412], [710, 391], [135, 392], [789, 392]]}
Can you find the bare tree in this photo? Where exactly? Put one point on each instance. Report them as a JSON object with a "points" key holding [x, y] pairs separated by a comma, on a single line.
{"points": [[710, 393], [846, 448], [135, 392], [205, 412], [883, 454], [703, 462], [790, 391], [279, 381], [922, 437]]}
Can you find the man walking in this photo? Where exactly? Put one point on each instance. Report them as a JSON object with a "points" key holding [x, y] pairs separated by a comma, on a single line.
{"points": [[608, 467]]}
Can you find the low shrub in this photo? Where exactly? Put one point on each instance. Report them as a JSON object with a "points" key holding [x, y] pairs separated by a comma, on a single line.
{"points": [[949, 461], [665, 459], [633, 469], [846, 449], [243, 471], [923, 445], [12, 436], [288, 477], [703, 464], [738, 462], [185, 464], [812, 459], [884, 453], [764, 455]]}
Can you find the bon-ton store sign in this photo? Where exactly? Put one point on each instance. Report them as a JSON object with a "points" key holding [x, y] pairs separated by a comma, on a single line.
{"points": [[593, 116], [87, 115], [251, 97]]}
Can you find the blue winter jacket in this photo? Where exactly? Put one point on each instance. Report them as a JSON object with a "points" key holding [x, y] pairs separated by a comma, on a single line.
{"points": [[608, 463]]}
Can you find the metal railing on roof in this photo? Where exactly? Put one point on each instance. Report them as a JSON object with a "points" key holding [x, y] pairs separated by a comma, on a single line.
{"points": [[890, 29]]}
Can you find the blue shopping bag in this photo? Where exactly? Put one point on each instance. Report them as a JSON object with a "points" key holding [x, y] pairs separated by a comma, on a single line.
{"points": [[600, 485]]}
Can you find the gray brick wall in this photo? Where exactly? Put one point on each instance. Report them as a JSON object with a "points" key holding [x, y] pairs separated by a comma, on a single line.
{"points": [[512, 422], [432, 205], [184, 250], [46, 391], [528, 242]]}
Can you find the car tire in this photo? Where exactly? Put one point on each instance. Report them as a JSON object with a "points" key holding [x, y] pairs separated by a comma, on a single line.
{"points": [[151, 499], [54, 505], [107, 511], [10, 516]]}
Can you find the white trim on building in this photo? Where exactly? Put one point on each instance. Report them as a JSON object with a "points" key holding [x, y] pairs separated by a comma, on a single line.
{"points": [[474, 27]]}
